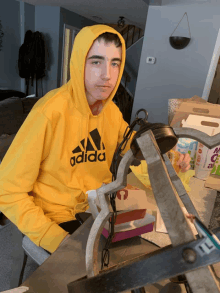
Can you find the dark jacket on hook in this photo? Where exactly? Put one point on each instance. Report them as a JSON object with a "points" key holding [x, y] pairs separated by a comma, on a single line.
{"points": [[32, 59]]}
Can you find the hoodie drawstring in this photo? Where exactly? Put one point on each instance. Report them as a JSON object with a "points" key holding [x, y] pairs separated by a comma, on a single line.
{"points": [[101, 134], [87, 132]]}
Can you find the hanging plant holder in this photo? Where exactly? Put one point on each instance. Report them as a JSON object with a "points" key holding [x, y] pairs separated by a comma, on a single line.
{"points": [[179, 43]]}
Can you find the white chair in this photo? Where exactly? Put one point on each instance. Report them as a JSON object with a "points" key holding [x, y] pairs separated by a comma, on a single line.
{"points": [[38, 254]]}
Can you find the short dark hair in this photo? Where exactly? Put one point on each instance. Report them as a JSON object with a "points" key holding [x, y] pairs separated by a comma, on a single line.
{"points": [[110, 38]]}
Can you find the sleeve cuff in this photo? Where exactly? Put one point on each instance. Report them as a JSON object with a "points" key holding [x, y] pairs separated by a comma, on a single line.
{"points": [[53, 238]]}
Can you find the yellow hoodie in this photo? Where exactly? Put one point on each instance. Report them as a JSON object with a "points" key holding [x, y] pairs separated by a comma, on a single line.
{"points": [[61, 151]]}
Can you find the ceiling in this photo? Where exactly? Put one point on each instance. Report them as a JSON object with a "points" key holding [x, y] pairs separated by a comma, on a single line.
{"points": [[134, 11]]}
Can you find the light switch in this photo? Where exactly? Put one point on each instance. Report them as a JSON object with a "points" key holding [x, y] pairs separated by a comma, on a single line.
{"points": [[151, 60]]}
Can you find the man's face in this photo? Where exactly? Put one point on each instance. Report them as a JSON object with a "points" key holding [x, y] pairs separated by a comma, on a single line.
{"points": [[102, 68]]}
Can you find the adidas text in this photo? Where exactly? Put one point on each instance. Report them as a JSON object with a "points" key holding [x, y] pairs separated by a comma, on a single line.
{"points": [[84, 157]]}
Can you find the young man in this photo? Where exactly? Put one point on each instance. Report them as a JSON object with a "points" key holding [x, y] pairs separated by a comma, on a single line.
{"points": [[66, 144]]}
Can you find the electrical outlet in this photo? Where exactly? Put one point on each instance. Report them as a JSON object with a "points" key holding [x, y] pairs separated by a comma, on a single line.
{"points": [[151, 60]]}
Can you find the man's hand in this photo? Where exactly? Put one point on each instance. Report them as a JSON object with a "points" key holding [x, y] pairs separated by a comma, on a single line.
{"points": [[67, 236], [190, 217], [184, 162]]}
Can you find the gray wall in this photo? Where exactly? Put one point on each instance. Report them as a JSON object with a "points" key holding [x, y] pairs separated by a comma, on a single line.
{"points": [[133, 56], [10, 19], [27, 22], [47, 21], [52, 29], [29, 17], [75, 20], [17, 17], [176, 73]]}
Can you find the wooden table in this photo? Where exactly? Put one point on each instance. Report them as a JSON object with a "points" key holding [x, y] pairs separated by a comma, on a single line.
{"points": [[67, 263]]}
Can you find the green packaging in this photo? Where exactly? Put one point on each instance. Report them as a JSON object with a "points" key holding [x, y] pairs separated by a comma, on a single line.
{"points": [[216, 168]]}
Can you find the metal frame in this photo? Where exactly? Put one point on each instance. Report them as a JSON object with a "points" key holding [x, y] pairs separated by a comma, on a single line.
{"points": [[164, 181], [147, 269]]}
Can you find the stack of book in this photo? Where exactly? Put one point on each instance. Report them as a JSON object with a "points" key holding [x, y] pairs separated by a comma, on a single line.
{"points": [[132, 217]]}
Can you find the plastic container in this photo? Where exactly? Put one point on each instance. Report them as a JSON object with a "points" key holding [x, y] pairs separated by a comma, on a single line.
{"points": [[188, 145], [216, 168], [205, 157], [205, 161]]}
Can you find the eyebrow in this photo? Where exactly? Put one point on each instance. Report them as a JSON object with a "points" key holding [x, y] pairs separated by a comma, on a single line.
{"points": [[103, 58]]}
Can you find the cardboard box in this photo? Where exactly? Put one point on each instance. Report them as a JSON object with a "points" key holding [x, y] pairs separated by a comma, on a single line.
{"points": [[129, 200], [192, 108], [174, 104], [199, 108]]}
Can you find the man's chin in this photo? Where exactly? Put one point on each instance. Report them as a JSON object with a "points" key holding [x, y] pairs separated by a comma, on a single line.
{"points": [[102, 98]]}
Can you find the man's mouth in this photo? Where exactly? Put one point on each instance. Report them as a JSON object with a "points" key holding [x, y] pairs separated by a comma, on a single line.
{"points": [[104, 86]]}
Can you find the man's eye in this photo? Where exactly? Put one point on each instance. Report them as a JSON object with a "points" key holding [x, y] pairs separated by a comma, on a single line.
{"points": [[98, 62], [116, 64]]}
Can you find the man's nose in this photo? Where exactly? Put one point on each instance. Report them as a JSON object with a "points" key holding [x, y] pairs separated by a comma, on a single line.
{"points": [[106, 71]]}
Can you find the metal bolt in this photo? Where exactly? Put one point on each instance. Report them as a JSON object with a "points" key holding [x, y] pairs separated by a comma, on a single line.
{"points": [[189, 255]]}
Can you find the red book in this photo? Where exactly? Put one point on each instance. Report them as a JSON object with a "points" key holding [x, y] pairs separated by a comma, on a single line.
{"points": [[128, 216], [130, 229]]}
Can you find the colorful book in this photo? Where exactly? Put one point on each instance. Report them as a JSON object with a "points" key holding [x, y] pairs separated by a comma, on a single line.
{"points": [[127, 216], [130, 229]]}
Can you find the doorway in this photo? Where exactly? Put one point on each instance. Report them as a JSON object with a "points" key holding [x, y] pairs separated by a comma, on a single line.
{"points": [[69, 34], [211, 92], [214, 96]]}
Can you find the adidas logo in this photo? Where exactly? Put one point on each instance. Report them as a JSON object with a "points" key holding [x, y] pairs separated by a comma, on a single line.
{"points": [[91, 157]]}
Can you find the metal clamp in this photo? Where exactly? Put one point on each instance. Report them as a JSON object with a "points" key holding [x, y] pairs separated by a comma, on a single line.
{"points": [[166, 186], [147, 269]]}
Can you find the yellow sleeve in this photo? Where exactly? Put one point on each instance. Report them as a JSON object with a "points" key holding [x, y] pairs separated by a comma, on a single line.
{"points": [[18, 172]]}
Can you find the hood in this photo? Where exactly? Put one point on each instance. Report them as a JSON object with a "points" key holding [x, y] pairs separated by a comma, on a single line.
{"points": [[82, 44]]}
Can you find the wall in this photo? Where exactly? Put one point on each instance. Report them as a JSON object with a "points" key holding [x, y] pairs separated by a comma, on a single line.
{"points": [[47, 21], [27, 22], [36, 18], [133, 55], [52, 29], [176, 73], [29, 17], [184, 2], [75, 20], [10, 19]]}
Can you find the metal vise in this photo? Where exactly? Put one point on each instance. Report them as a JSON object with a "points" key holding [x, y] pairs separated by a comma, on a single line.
{"points": [[166, 187]]}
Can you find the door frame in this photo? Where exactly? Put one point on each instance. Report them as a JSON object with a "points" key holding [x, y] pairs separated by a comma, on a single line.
{"points": [[212, 69], [73, 32]]}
